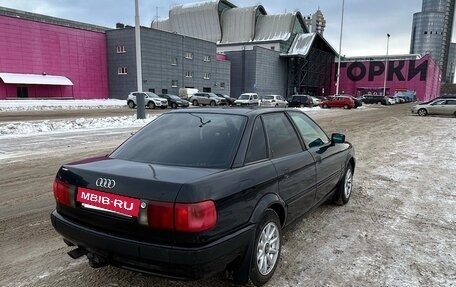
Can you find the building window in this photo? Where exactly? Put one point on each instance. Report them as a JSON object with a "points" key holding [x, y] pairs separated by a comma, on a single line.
{"points": [[164, 91], [222, 86], [174, 83], [207, 76], [207, 58], [188, 74], [152, 90], [121, 49], [174, 61], [189, 55], [425, 32], [122, 70]]}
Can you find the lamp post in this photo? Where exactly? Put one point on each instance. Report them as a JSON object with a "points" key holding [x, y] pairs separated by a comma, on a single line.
{"points": [[386, 64], [141, 108], [340, 48]]}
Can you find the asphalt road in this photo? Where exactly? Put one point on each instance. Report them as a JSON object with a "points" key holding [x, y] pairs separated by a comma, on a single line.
{"points": [[378, 239]]}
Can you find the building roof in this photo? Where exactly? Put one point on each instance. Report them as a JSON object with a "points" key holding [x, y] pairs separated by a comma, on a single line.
{"points": [[303, 42], [381, 58], [34, 79], [274, 27], [50, 20], [238, 24]]}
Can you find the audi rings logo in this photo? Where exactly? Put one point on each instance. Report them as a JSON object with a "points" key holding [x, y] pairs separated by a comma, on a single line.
{"points": [[105, 182]]}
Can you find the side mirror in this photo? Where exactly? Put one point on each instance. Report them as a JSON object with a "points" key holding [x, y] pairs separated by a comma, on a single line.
{"points": [[337, 138]]}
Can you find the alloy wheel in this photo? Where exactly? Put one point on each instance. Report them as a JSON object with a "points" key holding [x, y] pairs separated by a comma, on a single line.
{"points": [[268, 248]]}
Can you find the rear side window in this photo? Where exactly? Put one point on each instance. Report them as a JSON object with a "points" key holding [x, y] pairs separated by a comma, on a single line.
{"points": [[257, 146], [282, 138], [310, 132], [451, 102], [186, 139]]}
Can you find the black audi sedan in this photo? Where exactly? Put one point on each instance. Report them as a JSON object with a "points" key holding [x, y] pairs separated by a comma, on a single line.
{"points": [[212, 195]]}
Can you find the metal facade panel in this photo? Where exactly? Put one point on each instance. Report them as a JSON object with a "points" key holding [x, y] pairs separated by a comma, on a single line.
{"points": [[274, 27], [302, 44], [238, 25], [199, 20]]}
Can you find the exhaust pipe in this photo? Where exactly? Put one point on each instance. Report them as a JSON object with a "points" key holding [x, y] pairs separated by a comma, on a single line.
{"points": [[96, 261]]}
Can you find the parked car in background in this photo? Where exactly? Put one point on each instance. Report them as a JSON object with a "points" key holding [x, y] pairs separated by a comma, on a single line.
{"points": [[204, 99], [300, 101], [229, 100], [316, 101], [176, 211], [175, 101], [151, 100], [436, 107], [358, 102], [390, 101], [273, 101], [247, 99], [373, 99], [345, 102]]}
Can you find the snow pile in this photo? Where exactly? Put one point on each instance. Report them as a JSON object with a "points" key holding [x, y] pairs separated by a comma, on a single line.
{"points": [[45, 105], [48, 126]]}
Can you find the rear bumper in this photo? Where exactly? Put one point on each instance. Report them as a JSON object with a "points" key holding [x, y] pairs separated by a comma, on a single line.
{"points": [[161, 260]]}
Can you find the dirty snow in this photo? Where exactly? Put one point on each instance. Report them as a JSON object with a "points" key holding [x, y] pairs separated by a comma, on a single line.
{"points": [[46, 104]]}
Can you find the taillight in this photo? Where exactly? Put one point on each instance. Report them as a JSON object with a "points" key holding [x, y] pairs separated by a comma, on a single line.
{"points": [[160, 215], [195, 217], [184, 217], [64, 192]]}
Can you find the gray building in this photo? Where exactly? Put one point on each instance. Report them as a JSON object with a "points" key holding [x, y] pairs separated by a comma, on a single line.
{"points": [[270, 54], [169, 62], [451, 67], [316, 22], [432, 31]]}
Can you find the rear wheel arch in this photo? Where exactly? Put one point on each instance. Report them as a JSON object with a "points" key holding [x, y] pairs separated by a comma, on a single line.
{"points": [[272, 201]]}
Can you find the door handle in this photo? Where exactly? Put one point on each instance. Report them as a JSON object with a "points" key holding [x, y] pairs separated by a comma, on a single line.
{"points": [[318, 159], [286, 174]]}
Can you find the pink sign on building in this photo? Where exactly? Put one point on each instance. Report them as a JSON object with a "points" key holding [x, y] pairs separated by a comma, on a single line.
{"points": [[33, 48], [423, 76]]}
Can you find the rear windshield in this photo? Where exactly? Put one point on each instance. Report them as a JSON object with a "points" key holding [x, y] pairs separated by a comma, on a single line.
{"points": [[269, 97], [186, 139]]}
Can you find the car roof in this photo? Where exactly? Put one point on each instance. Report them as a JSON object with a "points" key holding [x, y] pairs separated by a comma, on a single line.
{"points": [[247, 111]]}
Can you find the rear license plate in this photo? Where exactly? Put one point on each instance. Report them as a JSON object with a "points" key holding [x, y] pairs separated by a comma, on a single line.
{"points": [[108, 201]]}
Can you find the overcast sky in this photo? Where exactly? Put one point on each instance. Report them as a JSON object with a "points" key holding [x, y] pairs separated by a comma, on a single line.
{"points": [[366, 22]]}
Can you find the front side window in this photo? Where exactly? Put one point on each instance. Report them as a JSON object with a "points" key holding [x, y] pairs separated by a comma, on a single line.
{"points": [[202, 140], [282, 138], [310, 132]]}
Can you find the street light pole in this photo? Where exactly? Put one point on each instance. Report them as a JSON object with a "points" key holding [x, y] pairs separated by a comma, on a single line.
{"points": [[386, 64], [140, 109], [340, 48]]}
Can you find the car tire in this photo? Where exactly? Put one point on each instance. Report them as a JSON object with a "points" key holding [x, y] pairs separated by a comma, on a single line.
{"points": [[195, 103], [174, 105], [268, 243], [325, 106], [454, 114], [212, 103], [422, 112], [346, 107], [131, 104], [345, 187], [151, 105], [301, 106], [276, 106]]}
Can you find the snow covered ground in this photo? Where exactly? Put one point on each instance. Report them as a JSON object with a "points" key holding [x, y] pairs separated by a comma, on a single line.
{"points": [[45, 105], [21, 128]]}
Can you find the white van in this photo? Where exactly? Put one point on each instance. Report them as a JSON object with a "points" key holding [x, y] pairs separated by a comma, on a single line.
{"points": [[247, 99], [187, 93]]}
